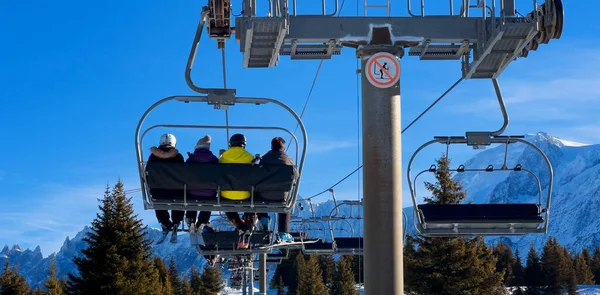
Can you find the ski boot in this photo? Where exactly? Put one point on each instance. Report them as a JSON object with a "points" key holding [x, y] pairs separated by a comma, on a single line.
{"points": [[284, 237], [174, 235], [165, 232], [264, 224]]}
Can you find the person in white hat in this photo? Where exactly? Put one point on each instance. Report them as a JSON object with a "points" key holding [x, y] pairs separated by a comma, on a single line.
{"points": [[166, 152]]}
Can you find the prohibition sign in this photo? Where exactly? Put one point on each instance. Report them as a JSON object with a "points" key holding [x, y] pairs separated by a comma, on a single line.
{"points": [[383, 70]]}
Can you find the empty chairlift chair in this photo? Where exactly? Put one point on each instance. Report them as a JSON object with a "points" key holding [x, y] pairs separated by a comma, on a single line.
{"points": [[351, 244], [313, 245], [449, 220]]}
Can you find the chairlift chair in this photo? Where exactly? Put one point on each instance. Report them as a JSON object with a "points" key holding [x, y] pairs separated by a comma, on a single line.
{"points": [[317, 246], [194, 176], [345, 245], [442, 220]]}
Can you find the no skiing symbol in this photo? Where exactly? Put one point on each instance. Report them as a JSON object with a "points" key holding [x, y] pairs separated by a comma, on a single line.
{"points": [[383, 70]]}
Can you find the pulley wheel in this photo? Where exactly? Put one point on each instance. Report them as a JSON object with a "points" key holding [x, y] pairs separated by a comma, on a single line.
{"points": [[560, 17]]}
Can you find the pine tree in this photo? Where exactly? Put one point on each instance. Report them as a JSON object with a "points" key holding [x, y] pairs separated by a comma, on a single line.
{"points": [[176, 283], [552, 267], [505, 262], [163, 276], [572, 282], [583, 271], [37, 291], [287, 270], [186, 288], [327, 264], [517, 267], [211, 282], [117, 258], [343, 280], [532, 274], [470, 262], [52, 283], [585, 254], [280, 286], [358, 267], [309, 276], [63, 284], [411, 277], [195, 281], [596, 265], [11, 282]]}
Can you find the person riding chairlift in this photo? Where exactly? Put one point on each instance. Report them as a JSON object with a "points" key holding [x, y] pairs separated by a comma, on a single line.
{"points": [[166, 152], [277, 156], [201, 154], [237, 154]]}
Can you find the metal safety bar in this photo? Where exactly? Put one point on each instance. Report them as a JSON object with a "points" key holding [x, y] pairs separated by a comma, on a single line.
{"points": [[323, 9], [507, 9], [214, 99], [175, 126]]}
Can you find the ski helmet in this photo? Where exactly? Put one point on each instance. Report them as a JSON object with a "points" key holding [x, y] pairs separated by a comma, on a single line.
{"points": [[168, 140], [238, 140]]}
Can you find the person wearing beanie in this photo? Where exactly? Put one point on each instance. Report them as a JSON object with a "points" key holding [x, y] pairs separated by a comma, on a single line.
{"points": [[166, 152], [277, 156], [201, 154]]}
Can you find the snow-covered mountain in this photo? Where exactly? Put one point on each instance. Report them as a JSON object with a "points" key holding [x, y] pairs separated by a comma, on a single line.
{"points": [[575, 203]]}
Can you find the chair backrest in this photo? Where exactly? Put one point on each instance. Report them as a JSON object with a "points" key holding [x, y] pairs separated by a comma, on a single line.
{"points": [[242, 177]]}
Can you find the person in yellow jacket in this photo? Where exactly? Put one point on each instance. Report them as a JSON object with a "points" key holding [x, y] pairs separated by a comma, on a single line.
{"points": [[237, 154]]}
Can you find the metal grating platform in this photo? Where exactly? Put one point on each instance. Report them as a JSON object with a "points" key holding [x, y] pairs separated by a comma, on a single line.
{"points": [[502, 47], [262, 41], [311, 51], [429, 51]]}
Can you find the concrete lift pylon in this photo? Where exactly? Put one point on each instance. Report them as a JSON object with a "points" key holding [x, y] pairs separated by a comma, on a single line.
{"points": [[486, 44]]}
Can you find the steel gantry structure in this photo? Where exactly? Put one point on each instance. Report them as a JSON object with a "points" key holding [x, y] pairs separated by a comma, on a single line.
{"points": [[485, 35]]}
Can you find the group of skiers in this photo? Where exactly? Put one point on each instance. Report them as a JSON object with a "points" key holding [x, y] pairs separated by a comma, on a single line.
{"points": [[235, 154]]}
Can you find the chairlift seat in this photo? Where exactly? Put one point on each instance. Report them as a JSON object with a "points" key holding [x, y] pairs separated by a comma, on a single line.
{"points": [[298, 236], [480, 219], [225, 238], [202, 176], [319, 247], [349, 245]]}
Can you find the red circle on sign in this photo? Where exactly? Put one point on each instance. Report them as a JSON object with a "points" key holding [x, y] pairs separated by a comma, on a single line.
{"points": [[378, 59]]}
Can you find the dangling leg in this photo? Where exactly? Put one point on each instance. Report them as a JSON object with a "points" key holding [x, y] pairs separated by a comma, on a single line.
{"points": [[283, 227], [163, 218], [264, 222], [190, 221], [202, 226], [240, 225], [177, 219]]}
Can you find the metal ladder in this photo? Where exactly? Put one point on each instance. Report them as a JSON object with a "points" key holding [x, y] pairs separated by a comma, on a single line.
{"points": [[387, 6]]}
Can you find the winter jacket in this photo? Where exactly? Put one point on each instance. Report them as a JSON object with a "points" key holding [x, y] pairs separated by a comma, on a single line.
{"points": [[202, 155], [165, 154], [236, 155], [276, 158]]}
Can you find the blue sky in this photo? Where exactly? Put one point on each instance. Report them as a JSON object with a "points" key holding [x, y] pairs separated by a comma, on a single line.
{"points": [[76, 77]]}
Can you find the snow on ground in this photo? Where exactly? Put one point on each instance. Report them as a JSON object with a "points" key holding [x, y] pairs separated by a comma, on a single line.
{"points": [[572, 143]]}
